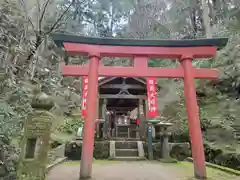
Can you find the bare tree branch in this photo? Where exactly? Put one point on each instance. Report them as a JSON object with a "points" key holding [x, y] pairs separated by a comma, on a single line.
{"points": [[59, 19], [26, 14], [38, 15], [42, 15]]}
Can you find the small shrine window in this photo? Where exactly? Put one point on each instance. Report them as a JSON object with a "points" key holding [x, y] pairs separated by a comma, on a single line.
{"points": [[30, 148]]}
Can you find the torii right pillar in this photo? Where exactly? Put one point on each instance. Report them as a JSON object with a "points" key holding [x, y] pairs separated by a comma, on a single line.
{"points": [[193, 118]]}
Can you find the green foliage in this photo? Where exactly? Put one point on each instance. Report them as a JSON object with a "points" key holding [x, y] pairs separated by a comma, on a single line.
{"points": [[161, 63], [71, 126], [9, 126]]}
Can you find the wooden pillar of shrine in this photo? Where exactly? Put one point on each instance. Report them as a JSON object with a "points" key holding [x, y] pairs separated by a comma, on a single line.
{"points": [[89, 124], [107, 128], [98, 124], [145, 109], [141, 118], [193, 119], [104, 116]]}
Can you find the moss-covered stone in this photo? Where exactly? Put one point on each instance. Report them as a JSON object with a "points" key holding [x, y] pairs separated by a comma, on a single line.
{"points": [[36, 141], [73, 150], [34, 146], [179, 151], [169, 160], [221, 157], [101, 150], [230, 160]]}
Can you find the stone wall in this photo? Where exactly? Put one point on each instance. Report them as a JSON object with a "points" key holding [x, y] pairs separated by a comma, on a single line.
{"points": [[179, 151], [73, 150], [56, 153]]}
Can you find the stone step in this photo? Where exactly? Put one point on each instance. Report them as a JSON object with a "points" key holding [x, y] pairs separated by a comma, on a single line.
{"points": [[133, 158], [126, 152], [131, 135], [236, 125], [126, 145], [236, 132], [236, 128], [125, 139]]}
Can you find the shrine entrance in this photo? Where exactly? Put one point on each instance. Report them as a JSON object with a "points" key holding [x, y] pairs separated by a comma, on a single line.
{"points": [[122, 100], [185, 51]]}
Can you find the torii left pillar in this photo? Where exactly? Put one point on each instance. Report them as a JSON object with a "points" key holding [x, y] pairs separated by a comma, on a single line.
{"points": [[91, 115]]}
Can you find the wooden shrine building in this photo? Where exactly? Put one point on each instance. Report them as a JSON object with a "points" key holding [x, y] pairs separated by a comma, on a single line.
{"points": [[122, 102]]}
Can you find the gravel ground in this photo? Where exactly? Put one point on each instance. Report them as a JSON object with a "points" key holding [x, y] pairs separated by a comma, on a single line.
{"points": [[142, 170]]}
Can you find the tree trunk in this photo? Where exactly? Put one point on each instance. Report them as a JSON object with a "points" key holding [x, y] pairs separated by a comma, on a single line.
{"points": [[206, 19]]}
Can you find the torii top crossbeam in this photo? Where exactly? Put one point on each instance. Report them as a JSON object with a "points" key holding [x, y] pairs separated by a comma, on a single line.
{"points": [[140, 50]]}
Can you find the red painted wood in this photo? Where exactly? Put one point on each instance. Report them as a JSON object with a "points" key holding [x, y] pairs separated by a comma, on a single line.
{"points": [[131, 51], [140, 62], [193, 120], [89, 123], [199, 73], [140, 69]]}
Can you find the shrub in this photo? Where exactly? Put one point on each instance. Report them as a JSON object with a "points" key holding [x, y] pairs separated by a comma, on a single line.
{"points": [[71, 126]]}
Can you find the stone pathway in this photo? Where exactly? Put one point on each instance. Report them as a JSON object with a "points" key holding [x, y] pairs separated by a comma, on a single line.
{"points": [[143, 170]]}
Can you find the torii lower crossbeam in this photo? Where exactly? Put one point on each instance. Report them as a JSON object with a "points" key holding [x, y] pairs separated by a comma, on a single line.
{"points": [[183, 50], [198, 73]]}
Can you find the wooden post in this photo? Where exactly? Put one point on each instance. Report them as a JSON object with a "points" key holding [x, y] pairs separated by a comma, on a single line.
{"points": [[89, 124], [104, 109], [145, 128], [141, 118], [150, 148], [98, 117], [107, 125], [193, 119]]}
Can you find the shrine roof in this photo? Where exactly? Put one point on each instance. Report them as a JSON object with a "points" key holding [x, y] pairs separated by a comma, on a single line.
{"points": [[59, 39], [102, 79]]}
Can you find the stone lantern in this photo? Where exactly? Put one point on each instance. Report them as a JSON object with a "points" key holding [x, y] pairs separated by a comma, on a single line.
{"points": [[153, 122], [36, 140], [164, 139]]}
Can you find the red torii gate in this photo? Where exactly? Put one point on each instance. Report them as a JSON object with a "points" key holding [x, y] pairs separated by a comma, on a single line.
{"points": [[183, 50]]}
